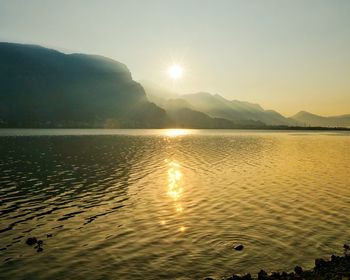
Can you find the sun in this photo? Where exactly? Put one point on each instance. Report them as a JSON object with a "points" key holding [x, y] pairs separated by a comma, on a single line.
{"points": [[175, 71]]}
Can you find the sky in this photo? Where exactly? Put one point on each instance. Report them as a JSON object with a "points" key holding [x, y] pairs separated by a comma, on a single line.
{"points": [[285, 55]]}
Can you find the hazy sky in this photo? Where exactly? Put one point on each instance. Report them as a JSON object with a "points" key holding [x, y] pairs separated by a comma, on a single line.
{"points": [[285, 55]]}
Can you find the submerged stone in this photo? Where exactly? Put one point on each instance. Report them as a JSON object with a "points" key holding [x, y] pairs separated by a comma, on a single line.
{"points": [[31, 241], [337, 268], [298, 270], [275, 275], [234, 277], [247, 276], [262, 275], [319, 263], [239, 247]]}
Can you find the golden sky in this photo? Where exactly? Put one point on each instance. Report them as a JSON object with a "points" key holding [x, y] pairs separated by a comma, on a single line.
{"points": [[285, 55]]}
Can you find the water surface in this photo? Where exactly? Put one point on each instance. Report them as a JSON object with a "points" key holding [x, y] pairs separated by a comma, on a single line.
{"points": [[170, 204]]}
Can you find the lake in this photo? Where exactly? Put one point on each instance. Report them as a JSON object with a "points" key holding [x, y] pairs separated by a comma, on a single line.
{"points": [[170, 204]]}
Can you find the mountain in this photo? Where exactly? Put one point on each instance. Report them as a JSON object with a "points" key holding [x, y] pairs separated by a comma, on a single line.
{"points": [[184, 117], [158, 94], [215, 106], [169, 100], [41, 87], [309, 119], [218, 106], [185, 112]]}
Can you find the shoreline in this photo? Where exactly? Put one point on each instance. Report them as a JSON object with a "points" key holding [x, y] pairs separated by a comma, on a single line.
{"points": [[267, 128], [337, 268]]}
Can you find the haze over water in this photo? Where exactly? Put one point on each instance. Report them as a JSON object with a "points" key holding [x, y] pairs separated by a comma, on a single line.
{"points": [[170, 204]]}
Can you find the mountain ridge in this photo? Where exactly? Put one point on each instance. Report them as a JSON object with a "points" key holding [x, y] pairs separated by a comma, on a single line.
{"points": [[217, 106], [41, 87], [310, 119], [236, 110]]}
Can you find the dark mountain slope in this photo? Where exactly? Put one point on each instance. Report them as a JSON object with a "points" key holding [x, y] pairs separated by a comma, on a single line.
{"points": [[40, 87]]}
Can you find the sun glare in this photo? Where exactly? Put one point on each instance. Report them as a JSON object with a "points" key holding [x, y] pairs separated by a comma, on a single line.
{"points": [[175, 71], [173, 132]]}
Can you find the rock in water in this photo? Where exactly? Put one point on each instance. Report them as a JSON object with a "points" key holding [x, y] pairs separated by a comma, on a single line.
{"points": [[31, 241], [262, 275], [247, 276], [235, 277], [239, 247], [298, 270]]}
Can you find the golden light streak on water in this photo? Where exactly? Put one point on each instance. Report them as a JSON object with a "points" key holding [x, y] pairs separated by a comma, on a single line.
{"points": [[175, 189], [174, 178], [176, 132], [142, 205]]}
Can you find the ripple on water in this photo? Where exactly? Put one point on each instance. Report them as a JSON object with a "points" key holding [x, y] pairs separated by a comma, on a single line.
{"points": [[114, 209]]}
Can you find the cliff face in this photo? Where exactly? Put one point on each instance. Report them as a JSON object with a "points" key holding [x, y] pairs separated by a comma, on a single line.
{"points": [[41, 87]]}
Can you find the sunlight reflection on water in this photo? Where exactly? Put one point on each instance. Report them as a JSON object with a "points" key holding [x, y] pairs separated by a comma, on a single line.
{"points": [[170, 204], [175, 188], [176, 132]]}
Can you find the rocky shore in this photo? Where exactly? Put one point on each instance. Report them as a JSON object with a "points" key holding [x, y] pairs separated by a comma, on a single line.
{"points": [[336, 268]]}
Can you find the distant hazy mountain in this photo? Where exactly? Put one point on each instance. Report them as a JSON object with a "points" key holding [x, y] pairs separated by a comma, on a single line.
{"points": [[184, 112], [218, 106], [184, 117], [40, 87], [158, 94], [308, 119], [215, 106], [163, 97]]}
